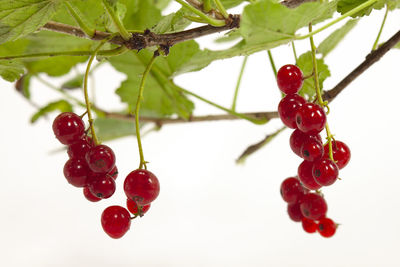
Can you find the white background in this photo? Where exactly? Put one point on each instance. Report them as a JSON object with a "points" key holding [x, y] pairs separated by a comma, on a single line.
{"points": [[212, 212]]}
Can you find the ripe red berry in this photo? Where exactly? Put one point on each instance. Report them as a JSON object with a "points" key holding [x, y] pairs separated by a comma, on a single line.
{"points": [[114, 172], [312, 149], [76, 172], [309, 225], [89, 196], [291, 190], [326, 227], [115, 221], [79, 149], [141, 186], [298, 138], [310, 118], [102, 186], [341, 153], [100, 159], [289, 79], [304, 173], [133, 207], [288, 107], [68, 128], [325, 172], [313, 206], [294, 212]]}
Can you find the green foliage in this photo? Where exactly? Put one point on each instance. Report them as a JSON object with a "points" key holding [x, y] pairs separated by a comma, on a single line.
{"points": [[334, 39], [344, 6], [21, 17], [60, 105], [306, 65], [76, 82], [111, 128]]}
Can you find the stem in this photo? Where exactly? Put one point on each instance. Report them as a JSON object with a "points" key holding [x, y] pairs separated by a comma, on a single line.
{"points": [[271, 61], [221, 8], [140, 97], [117, 22], [111, 52], [74, 11], [294, 52], [380, 30], [238, 83], [207, 5], [59, 90], [345, 15], [321, 102], [211, 21]]}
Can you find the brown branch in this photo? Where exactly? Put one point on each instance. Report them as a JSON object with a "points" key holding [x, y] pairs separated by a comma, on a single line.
{"points": [[140, 41], [370, 59], [163, 121]]}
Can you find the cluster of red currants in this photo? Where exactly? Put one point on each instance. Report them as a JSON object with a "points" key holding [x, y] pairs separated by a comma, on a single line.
{"points": [[318, 167], [92, 166]]}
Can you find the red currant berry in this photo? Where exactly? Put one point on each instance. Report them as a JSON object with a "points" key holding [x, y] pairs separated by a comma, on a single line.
{"points": [[298, 138], [312, 149], [133, 208], [142, 186], [304, 173], [102, 186], [313, 206], [326, 227], [290, 79], [294, 212], [291, 190], [79, 149], [76, 172], [341, 153], [310, 118], [68, 128], [101, 159], [309, 225], [114, 172], [325, 172], [116, 221], [288, 107], [89, 196]]}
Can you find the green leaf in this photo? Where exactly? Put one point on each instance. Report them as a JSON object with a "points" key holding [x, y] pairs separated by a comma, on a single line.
{"points": [[231, 3], [74, 83], [141, 14], [334, 38], [21, 17], [173, 22], [11, 70], [110, 128], [23, 84], [305, 63], [344, 6], [61, 105]]}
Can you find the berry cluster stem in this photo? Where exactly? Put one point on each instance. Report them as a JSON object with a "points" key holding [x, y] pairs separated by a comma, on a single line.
{"points": [[140, 97], [321, 102]]}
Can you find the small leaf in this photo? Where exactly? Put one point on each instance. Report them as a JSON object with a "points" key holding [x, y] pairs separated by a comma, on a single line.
{"points": [[334, 38], [173, 22], [305, 63], [344, 6], [74, 83], [111, 128], [61, 105], [22, 85]]}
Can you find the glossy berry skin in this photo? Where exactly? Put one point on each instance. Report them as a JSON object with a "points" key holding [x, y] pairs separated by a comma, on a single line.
{"points": [[294, 212], [288, 107], [102, 186], [310, 118], [115, 221], [113, 172], [341, 153], [313, 206], [326, 227], [309, 225], [89, 196], [68, 128], [133, 208], [289, 79], [304, 173], [325, 172], [79, 149], [291, 190], [298, 138], [312, 149], [141, 186], [100, 159], [76, 172]]}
